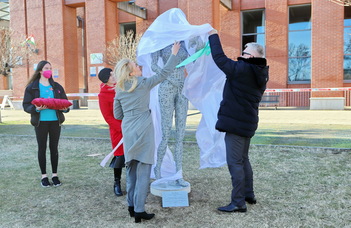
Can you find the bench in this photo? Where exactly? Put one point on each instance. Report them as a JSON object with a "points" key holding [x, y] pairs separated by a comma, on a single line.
{"points": [[270, 99]]}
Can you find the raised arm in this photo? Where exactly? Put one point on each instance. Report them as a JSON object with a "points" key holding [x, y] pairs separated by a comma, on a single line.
{"points": [[224, 63], [154, 62], [167, 69]]}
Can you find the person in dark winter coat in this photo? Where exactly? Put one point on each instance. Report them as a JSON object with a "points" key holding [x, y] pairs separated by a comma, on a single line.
{"points": [[106, 99], [47, 122], [245, 84]]}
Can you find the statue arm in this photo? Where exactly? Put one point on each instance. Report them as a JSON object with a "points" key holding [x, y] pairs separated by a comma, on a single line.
{"points": [[172, 62], [154, 62]]}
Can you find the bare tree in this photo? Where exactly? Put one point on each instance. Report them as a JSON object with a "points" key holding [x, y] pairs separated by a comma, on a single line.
{"points": [[123, 46], [299, 62], [13, 51]]}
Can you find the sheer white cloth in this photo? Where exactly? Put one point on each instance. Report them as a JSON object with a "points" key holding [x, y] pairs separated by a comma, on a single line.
{"points": [[203, 87]]}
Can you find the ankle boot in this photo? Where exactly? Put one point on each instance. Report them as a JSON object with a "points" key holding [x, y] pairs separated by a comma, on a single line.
{"points": [[131, 211], [117, 187], [142, 215]]}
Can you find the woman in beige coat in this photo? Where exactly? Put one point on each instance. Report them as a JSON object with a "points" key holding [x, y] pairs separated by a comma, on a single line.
{"points": [[132, 105]]}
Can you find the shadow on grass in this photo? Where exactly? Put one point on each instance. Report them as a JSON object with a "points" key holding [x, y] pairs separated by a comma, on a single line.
{"points": [[299, 135], [90, 131]]}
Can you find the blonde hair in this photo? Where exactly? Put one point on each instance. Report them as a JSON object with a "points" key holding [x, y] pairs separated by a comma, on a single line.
{"points": [[122, 72]]}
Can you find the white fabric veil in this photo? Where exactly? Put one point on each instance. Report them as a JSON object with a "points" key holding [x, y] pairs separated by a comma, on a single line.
{"points": [[203, 87]]}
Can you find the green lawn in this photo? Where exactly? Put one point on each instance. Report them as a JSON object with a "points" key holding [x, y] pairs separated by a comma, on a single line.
{"points": [[276, 127], [293, 189], [295, 186]]}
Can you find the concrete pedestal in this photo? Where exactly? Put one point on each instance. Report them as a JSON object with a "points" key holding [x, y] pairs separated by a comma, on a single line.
{"points": [[327, 103], [157, 188]]}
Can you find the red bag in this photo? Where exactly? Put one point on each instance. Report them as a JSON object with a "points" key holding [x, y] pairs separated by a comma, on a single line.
{"points": [[52, 103]]}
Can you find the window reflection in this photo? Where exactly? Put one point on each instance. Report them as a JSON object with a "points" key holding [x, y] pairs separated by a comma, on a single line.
{"points": [[299, 17], [299, 43], [347, 67], [253, 22], [347, 40], [253, 27], [299, 69], [347, 43]]}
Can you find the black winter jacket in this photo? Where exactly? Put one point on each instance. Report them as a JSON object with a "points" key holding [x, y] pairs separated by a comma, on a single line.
{"points": [[245, 84], [32, 92]]}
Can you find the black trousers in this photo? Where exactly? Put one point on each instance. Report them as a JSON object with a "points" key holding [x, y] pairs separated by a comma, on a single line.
{"points": [[53, 130], [237, 152]]}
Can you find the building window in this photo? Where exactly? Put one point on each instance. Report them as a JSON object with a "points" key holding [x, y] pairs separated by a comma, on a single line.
{"points": [[125, 27], [299, 44], [253, 25], [347, 43]]}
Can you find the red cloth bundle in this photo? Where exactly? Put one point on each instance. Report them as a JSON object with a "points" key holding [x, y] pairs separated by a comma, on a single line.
{"points": [[52, 103]]}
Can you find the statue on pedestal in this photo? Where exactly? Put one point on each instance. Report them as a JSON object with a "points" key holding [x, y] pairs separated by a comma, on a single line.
{"points": [[171, 101]]}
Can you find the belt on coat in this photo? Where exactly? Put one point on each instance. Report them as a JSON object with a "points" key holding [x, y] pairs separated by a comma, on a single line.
{"points": [[135, 111]]}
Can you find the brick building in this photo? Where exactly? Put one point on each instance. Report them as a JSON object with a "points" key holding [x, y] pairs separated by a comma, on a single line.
{"points": [[307, 42]]}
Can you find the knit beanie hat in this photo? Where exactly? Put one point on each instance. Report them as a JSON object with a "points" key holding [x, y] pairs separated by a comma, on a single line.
{"points": [[104, 74]]}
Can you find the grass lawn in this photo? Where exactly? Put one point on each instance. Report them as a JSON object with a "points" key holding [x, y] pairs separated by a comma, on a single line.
{"points": [[276, 127], [293, 189]]}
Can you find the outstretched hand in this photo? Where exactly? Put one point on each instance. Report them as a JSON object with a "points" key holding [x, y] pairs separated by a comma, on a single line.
{"points": [[175, 48]]}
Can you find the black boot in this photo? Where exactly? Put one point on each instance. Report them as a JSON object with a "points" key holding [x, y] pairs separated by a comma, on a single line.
{"points": [[131, 211], [142, 215], [117, 187]]}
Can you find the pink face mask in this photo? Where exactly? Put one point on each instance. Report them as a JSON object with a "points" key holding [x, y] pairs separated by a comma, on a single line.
{"points": [[47, 73]]}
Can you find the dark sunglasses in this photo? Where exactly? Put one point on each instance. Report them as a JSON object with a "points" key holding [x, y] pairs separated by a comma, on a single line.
{"points": [[245, 53]]}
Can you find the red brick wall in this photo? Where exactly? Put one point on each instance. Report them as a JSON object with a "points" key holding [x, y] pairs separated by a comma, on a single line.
{"points": [[20, 75], [97, 23], [124, 17], [152, 13], [80, 11], [277, 42], [327, 47], [59, 40], [165, 5], [253, 4], [36, 27], [300, 2], [229, 31], [200, 12]]}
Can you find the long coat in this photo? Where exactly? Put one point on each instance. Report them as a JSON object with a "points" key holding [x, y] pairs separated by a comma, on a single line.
{"points": [[245, 84], [133, 108], [106, 100]]}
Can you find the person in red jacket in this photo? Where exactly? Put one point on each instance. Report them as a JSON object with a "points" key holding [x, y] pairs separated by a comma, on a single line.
{"points": [[106, 99]]}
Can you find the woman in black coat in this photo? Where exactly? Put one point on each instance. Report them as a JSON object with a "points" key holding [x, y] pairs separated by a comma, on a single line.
{"points": [[46, 122]]}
